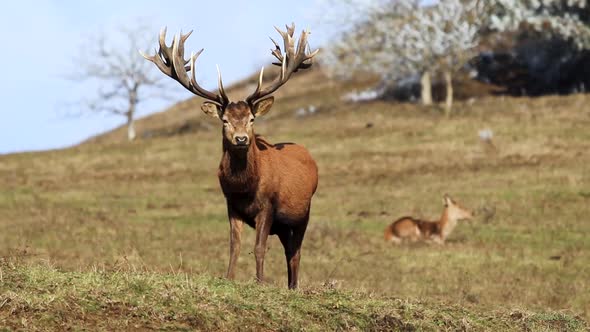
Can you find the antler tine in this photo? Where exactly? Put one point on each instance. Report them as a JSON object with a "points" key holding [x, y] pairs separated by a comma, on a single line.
{"points": [[291, 61], [220, 86], [161, 58], [218, 99], [276, 51], [302, 43], [259, 85], [193, 60], [290, 29], [312, 54], [183, 39], [164, 50], [170, 60], [178, 62], [288, 42]]}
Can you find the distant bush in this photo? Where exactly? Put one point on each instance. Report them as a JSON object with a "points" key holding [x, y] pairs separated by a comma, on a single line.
{"points": [[536, 67]]}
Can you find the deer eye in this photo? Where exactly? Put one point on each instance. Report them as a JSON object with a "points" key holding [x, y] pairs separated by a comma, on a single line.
{"points": [[252, 120], [225, 121]]}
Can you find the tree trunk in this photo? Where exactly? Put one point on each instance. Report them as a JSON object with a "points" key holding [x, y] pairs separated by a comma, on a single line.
{"points": [[131, 113], [130, 127], [426, 88], [449, 85]]}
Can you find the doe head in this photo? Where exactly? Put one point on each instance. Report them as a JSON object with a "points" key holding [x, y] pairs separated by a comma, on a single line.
{"points": [[455, 211]]}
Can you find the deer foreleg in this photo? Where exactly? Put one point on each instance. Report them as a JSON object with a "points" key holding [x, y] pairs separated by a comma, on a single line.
{"points": [[235, 241], [263, 223]]}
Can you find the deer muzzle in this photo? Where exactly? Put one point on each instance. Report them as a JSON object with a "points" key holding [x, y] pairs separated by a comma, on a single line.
{"points": [[241, 140]]}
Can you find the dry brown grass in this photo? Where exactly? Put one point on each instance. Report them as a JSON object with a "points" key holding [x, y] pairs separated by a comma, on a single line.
{"points": [[155, 204]]}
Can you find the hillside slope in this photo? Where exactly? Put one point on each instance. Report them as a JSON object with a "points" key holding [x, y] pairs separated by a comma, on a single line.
{"points": [[186, 116], [137, 232]]}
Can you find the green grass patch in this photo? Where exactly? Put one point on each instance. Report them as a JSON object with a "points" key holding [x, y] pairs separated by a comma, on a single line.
{"points": [[44, 298]]}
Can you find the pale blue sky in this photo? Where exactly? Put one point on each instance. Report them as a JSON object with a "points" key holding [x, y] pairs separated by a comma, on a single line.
{"points": [[42, 36]]}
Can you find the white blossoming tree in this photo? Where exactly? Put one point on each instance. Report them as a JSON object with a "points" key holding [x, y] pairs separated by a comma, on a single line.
{"points": [[441, 39], [398, 38], [364, 40], [567, 19]]}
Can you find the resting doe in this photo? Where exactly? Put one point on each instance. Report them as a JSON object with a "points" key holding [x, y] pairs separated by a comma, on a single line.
{"points": [[409, 228]]}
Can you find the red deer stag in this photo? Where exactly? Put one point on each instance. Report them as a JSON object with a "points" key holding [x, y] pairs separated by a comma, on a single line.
{"points": [[267, 186]]}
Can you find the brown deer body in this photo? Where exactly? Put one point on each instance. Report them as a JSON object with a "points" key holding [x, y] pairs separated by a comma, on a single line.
{"points": [[268, 187], [409, 228]]}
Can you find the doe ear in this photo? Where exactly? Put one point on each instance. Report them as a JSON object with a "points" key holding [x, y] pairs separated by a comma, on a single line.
{"points": [[447, 200], [263, 106], [211, 109]]}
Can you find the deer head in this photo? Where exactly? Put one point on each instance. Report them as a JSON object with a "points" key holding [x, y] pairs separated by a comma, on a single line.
{"points": [[455, 211], [238, 118]]}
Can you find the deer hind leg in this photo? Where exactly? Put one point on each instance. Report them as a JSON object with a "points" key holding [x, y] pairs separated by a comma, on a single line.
{"points": [[263, 225], [293, 263], [286, 237], [235, 241], [417, 234], [438, 240], [292, 239], [396, 240]]}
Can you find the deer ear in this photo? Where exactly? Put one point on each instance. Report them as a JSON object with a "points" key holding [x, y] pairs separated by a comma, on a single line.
{"points": [[211, 109], [446, 199], [263, 106]]}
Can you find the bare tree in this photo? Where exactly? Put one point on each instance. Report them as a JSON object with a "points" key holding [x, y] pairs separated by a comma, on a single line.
{"points": [[124, 79]]}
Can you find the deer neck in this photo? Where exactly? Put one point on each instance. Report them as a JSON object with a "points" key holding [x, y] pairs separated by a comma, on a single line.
{"points": [[446, 224], [238, 170]]}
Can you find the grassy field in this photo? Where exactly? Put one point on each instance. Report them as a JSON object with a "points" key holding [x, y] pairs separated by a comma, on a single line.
{"points": [[43, 298], [115, 235]]}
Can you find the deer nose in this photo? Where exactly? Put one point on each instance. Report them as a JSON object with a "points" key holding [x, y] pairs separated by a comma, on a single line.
{"points": [[242, 140]]}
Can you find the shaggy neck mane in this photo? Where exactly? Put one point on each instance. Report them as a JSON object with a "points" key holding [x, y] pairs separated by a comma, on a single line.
{"points": [[238, 171]]}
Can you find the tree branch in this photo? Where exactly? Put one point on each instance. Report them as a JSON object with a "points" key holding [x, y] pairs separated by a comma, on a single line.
{"points": [[125, 77]]}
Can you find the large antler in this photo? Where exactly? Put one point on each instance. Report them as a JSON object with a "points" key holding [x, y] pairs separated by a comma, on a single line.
{"points": [[295, 58], [170, 60]]}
